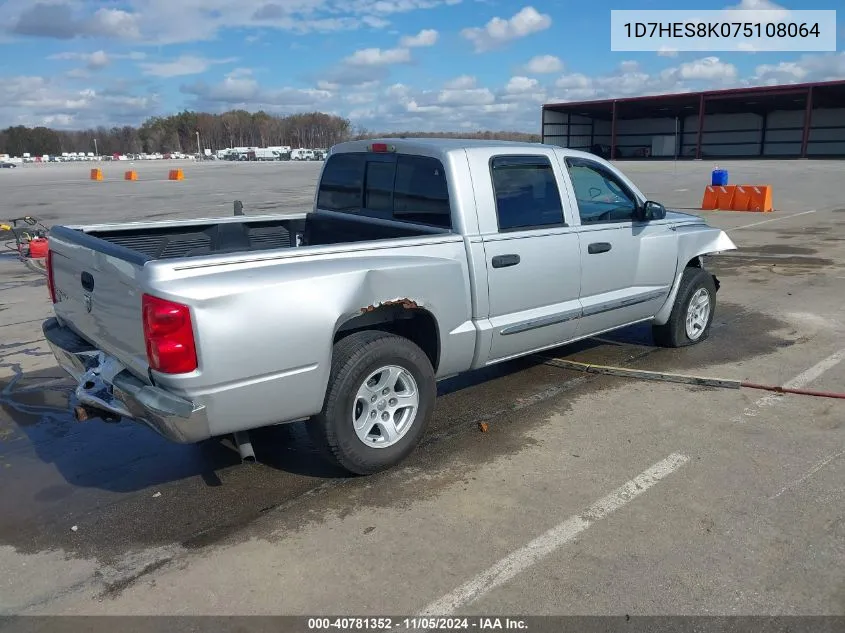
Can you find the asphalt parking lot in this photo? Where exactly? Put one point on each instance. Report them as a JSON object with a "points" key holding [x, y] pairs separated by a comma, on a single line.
{"points": [[587, 494]]}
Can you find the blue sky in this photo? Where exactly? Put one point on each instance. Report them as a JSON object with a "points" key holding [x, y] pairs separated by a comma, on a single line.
{"points": [[386, 64]]}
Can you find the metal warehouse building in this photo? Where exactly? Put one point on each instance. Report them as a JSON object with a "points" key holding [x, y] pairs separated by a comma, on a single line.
{"points": [[790, 121]]}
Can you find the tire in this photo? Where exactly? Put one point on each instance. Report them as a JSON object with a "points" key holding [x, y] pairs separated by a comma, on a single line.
{"points": [[696, 284], [370, 449]]}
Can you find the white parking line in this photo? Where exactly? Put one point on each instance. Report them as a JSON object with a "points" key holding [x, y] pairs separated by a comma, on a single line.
{"points": [[809, 474], [560, 535], [801, 380], [783, 217]]}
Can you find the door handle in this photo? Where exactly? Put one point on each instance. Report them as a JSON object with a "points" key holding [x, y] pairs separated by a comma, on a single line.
{"points": [[503, 261], [598, 247]]}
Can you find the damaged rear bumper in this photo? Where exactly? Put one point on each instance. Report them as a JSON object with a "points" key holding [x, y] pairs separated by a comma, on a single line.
{"points": [[107, 389]]}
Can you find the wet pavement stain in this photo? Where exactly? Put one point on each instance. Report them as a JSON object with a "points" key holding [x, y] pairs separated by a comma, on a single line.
{"points": [[14, 346], [813, 230], [777, 249], [449, 454], [102, 477], [452, 449], [737, 335], [790, 265], [115, 588]]}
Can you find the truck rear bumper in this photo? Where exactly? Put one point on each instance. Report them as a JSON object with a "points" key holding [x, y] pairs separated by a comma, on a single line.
{"points": [[104, 384]]}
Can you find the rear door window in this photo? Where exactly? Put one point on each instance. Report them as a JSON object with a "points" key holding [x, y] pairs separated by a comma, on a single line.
{"points": [[527, 196]]}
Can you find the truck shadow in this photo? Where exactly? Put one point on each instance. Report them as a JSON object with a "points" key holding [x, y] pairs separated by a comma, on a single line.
{"points": [[35, 422], [126, 457], [120, 457]]}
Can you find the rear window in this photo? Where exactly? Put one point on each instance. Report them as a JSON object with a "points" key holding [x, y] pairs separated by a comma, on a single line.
{"points": [[388, 186], [527, 196]]}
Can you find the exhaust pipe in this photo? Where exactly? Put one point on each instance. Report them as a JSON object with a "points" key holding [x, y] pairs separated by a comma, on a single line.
{"points": [[244, 446]]}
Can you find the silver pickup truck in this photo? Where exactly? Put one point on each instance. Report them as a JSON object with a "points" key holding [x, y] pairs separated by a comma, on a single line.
{"points": [[421, 259]]}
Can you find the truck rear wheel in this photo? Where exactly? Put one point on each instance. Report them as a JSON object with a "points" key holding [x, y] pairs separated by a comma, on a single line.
{"points": [[692, 314], [379, 401]]}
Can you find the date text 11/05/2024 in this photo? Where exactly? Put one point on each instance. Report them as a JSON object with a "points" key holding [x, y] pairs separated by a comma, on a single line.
{"points": [[416, 624]]}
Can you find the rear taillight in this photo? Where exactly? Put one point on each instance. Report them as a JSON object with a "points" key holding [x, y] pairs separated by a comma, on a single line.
{"points": [[169, 336], [51, 285]]}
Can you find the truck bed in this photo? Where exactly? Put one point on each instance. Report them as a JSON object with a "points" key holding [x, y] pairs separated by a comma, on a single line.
{"points": [[101, 296], [195, 241], [244, 234]]}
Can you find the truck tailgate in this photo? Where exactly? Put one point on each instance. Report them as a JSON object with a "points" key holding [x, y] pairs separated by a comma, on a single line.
{"points": [[98, 296]]}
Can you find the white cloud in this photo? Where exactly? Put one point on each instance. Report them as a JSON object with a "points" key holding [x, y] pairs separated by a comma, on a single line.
{"points": [[181, 66], [465, 103], [758, 10], [708, 68], [826, 67], [115, 23], [499, 31], [379, 57], [665, 51], [374, 22], [397, 91], [240, 72], [524, 90], [359, 98], [754, 5], [519, 85], [34, 100], [181, 21], [464, 82], [93, 61], [244, 91], [470, 96], [575, 80], [543, 64], [629, 80], [426, 37]]}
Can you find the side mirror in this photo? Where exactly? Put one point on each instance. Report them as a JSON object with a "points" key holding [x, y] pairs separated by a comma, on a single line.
{"points": [[653, 211]]}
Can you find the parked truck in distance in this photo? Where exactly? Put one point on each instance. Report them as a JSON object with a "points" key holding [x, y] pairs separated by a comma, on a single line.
{"points": [[420, 260]]}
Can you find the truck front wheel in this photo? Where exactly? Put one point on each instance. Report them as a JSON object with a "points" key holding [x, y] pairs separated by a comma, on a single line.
{"points": [[692, 314], [379, 400]]}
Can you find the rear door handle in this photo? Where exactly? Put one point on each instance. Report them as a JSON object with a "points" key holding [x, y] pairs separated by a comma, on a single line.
{"points": [[598, 247], [503, 261]]}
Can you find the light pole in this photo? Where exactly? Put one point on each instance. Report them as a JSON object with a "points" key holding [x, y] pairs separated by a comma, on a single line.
{"points": [[199, 150], [96, 152]]}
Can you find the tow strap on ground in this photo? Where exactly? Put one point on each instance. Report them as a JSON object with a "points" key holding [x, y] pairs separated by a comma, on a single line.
{"points": [[702, 381]]}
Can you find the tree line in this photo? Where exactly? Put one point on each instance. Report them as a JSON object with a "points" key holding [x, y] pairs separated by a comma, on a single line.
{"points": [[179, 133]]}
